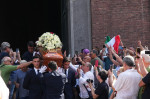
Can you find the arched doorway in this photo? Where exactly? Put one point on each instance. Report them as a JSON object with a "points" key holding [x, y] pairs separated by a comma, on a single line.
{"points": [[25, 20]]}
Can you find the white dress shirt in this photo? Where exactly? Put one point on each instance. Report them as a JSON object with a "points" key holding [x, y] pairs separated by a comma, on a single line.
{"points": [[75, 67], [36, 70], [82, 80], [127, 84], [62, 70]]}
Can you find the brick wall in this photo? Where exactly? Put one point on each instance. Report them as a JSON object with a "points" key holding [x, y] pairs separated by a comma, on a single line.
{"points": [[129, 18]]}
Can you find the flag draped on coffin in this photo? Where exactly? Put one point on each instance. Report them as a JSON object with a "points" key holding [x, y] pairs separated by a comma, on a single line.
{"points": [[114, 43]]}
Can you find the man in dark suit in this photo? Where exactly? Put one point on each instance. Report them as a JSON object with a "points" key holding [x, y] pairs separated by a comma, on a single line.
{"points": [[32, 81], [71, 80], [54, 83], [28, 55]]}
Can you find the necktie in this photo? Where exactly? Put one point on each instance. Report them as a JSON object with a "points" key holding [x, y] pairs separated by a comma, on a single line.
{"points": [[38, 72], [65, 71]]}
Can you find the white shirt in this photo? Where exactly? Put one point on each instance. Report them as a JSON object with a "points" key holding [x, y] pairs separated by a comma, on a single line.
{"points": [[82, 80], [36, 71], [4, 91], [75, 67], [62, 70], [127, 84]]}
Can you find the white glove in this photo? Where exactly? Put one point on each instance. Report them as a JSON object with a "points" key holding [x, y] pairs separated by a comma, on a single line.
{"points": [[42, 69]]}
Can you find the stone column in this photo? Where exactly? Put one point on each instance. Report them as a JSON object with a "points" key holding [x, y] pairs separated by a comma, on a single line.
{"points": [[79, 25]]}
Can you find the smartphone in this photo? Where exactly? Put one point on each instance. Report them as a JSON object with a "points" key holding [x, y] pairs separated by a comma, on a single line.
{"points": [[111, 67], [17, 50], [79, 66], [138, 50], [96, 63]]}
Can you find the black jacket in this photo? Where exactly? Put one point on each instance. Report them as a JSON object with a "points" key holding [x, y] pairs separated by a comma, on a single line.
{"points": [[54, 85], [68, 91], [32, 82]]}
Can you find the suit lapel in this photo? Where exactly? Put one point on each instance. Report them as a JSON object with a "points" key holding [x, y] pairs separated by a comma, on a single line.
{"points": [[33, 72], [69, 73]]}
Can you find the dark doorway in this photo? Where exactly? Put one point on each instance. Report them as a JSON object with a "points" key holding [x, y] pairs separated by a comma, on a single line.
{"points": [[25, 20]]}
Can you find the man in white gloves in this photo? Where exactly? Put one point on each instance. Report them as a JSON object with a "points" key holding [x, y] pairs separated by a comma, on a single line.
{"points": [[33, 82]]}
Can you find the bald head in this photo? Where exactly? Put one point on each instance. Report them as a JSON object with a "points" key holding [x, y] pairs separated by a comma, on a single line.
{"points": [[6, 60], [87, 59]]}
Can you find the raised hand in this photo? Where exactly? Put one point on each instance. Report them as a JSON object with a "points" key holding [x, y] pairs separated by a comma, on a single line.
{"points": [[139, 43], [43, 69]]}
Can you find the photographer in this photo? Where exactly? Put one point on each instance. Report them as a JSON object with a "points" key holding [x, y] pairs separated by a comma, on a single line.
{"points": [[84, 79], [102, 90]]}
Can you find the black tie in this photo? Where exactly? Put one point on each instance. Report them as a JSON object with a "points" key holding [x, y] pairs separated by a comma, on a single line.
{"points": [[38, 71], [65, 71]]}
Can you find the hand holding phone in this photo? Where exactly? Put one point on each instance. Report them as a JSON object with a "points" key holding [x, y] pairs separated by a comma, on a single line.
{"points": [[111, 67], [17, 50]]}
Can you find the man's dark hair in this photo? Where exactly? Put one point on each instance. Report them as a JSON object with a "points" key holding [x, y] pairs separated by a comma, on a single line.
{"points": [[103, 74], [66, 59], [52, 65], [34, 57], [95, 52], [31, 44], [82, 50]]}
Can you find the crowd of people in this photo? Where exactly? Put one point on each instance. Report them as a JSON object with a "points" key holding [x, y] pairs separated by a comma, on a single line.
{"points": [[95, 74]]}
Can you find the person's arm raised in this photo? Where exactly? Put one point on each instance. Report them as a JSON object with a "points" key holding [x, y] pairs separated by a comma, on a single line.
{"points": [[111, 58], [140, 45], [95, 96], [111, 78], [121, 43], [117, 58], [24, 65], [144, 72]]}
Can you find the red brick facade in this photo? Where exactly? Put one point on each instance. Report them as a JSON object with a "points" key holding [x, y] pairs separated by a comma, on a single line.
{"points": [[129, 18]]}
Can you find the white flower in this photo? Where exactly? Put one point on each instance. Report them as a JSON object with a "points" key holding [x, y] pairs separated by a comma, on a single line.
{"points": [[49, 41]]}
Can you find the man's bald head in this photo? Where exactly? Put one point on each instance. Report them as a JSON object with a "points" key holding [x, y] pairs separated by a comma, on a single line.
{"points": [[6, 60]]}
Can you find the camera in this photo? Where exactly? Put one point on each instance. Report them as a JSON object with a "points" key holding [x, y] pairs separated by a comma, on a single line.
{"points": [[89, 80], [77, 59]]}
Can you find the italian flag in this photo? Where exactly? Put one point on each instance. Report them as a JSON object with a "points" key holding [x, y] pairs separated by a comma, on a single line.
{"points": [[114, 43], [107, 39]]}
